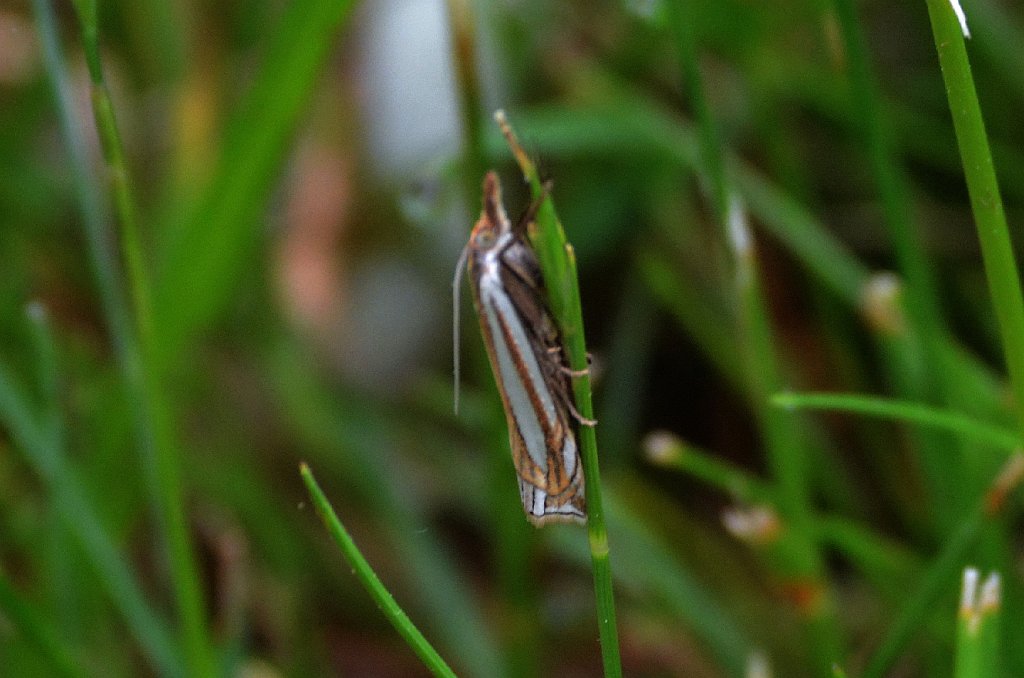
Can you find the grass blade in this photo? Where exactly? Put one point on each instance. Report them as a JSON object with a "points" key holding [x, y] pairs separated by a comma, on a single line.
{"points": [[897, 410], [944, 567], [423, 649], [977, 628], [24, 617], [44, 449], [983, 188], [204, 256], [558, 265]]}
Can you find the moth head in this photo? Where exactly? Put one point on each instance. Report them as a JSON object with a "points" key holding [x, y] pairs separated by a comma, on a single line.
{"points": [[485, 235], [493, 220]]}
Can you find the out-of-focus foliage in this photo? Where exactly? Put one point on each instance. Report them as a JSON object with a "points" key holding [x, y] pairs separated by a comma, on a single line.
{"points": [[303, 176]]}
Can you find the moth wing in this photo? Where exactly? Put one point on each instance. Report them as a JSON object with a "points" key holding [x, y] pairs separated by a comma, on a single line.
{"points": [[522, 281], [528, 468]]}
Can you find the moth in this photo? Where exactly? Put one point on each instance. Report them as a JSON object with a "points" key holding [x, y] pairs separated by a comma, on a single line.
{"points": [[526, 356]]}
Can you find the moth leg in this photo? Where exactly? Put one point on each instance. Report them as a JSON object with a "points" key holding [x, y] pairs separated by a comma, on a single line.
{"points": [[569, 405], [552, 350], [579, 417]]}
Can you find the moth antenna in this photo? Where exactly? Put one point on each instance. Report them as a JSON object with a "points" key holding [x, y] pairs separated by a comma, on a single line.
{"points": [[456, 301]]}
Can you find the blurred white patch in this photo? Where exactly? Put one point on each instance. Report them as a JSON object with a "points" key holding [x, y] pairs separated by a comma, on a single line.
{"points": [[663, 448], [410, 99], [739, 228], [752, 524], [969, 590], [977, 604], [645, 9], [758, 665], [881, 302], [961, 17]]}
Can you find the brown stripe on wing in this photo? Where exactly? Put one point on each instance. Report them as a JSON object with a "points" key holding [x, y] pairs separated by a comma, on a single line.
{"points": [[553, 435], [526, 294], [521, 279], [577, 501], [527, 297], [565, 481], [525, 466]]}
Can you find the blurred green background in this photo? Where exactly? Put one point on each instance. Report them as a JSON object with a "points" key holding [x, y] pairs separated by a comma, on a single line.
{"points": [[763, 198]]}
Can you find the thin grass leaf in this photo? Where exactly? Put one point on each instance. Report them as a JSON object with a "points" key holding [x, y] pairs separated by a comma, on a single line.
{"points": [[896, 410], [43, 449], [558, 264], [703, 323], [668, 451], [423, 649], [983, 188], [944, 567], [205, 255], [462, 22], [922, 308], [349, 434], [797, 560], [136, 341], [46, 640], [977, 627]]}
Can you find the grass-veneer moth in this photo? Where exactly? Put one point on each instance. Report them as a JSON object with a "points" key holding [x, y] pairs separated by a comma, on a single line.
{"points": [[528, 362]]}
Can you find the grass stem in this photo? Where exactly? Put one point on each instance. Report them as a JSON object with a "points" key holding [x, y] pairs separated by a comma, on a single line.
{"points": [[786, 448], [899, 410], [134, 340], [558, 264], [385, 601], [983, 188]]}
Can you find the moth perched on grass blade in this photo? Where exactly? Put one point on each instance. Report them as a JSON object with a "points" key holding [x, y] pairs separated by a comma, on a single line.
{"points": [[527, 358]]}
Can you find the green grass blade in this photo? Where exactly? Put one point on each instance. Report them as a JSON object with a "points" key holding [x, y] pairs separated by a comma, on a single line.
{"points": [[95, 217], [701, 321], [558, 265], [887, 563], [977, 627], [712, 162], [348, 435], [462, 22], [922, 302], [786, 447], [137, 348], [44, 451], [986, 204], [921, 307], [944, 567], [22, 615], [206, 254], [896, 410], [668, 451], [370, 581]]}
